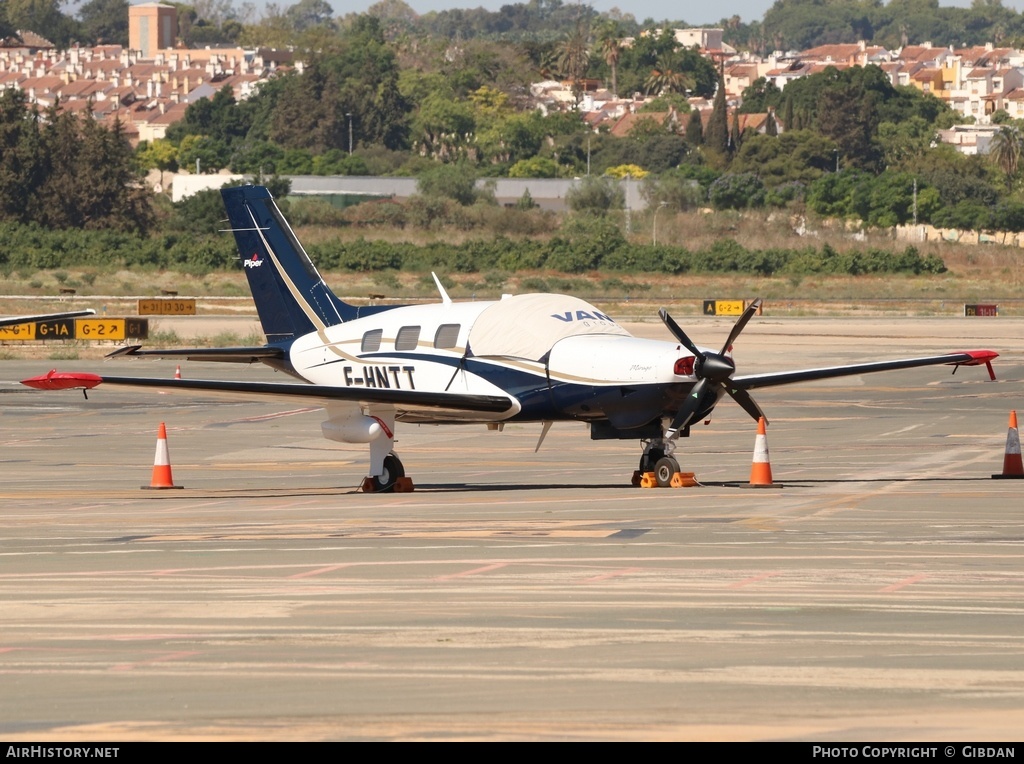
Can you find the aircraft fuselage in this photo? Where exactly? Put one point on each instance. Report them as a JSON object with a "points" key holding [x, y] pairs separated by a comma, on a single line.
{"points": [[590, 376]]}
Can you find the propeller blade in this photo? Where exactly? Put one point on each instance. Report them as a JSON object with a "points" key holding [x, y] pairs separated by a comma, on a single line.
{"points": [[689, 408], [679, 334], [743, 398], [740, 323], [713, 370]]}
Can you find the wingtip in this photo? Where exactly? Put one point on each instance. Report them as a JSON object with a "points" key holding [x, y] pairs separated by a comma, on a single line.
{"points": [[978, 358], [63, 380]]}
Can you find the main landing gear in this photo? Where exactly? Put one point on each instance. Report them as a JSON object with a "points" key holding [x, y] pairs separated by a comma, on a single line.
{"points": [[657, 458], [390, 477]]}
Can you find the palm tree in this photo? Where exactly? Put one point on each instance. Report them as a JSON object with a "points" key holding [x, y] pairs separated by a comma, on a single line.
{"points": [[1006, 151], [609, 43], [573, 58], [668, 76]]}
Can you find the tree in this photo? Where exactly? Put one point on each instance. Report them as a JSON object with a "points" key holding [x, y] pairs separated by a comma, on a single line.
{"points": [[203, 154], [42, 17], [21, 167], [307, 14], [668, 76], [674, 190], [760, 96], [609, 41], [716, 137], [695, 129], [452, 181], [626, 171], [596, 195], [62, 170], [849, 116], [735, 134], [442, 125], [105, 21], [573, 58], [795, 156], [737, 192], [159, 155], [534, 167], [1007, 147]]}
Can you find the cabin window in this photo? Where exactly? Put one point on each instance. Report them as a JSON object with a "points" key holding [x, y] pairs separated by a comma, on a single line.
{"points": [[447, 336], [408, 337], [371, 341]]}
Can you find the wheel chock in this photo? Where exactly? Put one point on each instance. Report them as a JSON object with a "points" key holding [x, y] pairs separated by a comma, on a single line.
{"points": [[637, 477], [683, 480], [404, 485], [649, 480], [367, 485]]}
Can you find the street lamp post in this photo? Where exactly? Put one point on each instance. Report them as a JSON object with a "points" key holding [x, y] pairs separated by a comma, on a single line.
{"points": [[654, 229], [349, 115]]}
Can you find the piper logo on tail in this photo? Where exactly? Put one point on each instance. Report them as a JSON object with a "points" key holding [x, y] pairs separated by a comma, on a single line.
{"points": [[253, 262]]}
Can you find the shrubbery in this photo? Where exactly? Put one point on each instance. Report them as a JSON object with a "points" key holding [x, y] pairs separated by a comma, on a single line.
{"points": [[584, 244]]}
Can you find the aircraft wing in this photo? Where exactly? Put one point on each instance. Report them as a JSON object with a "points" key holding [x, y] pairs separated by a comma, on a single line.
{"points": [[321, 394], [224, 355], [963, 358], [15, 320]]}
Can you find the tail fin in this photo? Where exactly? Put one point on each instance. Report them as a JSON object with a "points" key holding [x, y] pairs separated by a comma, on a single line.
{"points": [[291, 297]]}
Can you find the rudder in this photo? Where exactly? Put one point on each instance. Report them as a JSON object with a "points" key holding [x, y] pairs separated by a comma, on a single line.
{"points": [[290, 295]]}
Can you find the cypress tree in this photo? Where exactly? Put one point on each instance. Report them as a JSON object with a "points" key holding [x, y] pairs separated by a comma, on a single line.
{"points": [[695, 129], [717, 135]]}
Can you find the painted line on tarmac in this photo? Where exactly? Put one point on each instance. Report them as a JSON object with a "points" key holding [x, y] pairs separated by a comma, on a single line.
{"points": [[610, 575], [473, 572], [755, 579], [321, 571], [904, 583]]}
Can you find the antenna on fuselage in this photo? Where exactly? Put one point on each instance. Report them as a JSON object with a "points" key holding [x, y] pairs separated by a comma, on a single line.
{"points": [[444, 295]]}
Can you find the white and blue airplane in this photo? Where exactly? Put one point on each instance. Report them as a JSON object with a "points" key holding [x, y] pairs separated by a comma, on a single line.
{"points": [[526, 358]]}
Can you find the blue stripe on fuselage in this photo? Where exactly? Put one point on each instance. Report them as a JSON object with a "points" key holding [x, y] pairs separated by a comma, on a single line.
{"points": [[539, 400]]}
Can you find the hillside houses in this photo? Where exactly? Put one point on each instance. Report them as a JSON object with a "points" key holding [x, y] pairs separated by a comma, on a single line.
{"points": [[115, 83], [148, 86], [975, 81]]}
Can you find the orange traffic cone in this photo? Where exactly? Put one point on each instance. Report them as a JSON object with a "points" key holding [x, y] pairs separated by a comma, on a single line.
{"points": [[177, 372], [162, 463], [1012, 465], [761, 469]]}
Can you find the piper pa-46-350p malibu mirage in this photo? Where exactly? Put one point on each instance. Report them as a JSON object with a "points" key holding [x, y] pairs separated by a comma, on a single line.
{"points": [[526, 358]]}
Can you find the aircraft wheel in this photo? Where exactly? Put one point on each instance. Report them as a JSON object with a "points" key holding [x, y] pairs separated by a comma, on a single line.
{"points": [[393, 469], [664, 469]]}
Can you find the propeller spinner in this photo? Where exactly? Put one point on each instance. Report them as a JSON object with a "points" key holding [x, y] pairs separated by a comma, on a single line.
{"points": [[713, 371]]}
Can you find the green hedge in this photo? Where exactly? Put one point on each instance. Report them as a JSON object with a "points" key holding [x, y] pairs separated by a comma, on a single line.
{"points": [[33, 248]]}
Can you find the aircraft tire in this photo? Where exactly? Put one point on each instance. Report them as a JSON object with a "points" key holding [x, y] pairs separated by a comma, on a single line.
{"points": [[393, 469], [664, 469]]}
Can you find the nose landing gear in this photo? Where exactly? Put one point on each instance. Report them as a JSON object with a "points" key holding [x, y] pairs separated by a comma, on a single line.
{"points": [[657, 458]]}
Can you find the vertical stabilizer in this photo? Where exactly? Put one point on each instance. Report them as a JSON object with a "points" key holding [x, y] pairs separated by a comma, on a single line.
{"points": [[291, 297]]}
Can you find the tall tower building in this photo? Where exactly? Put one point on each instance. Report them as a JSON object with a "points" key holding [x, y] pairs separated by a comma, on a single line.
{"points": [[151, 27]]}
